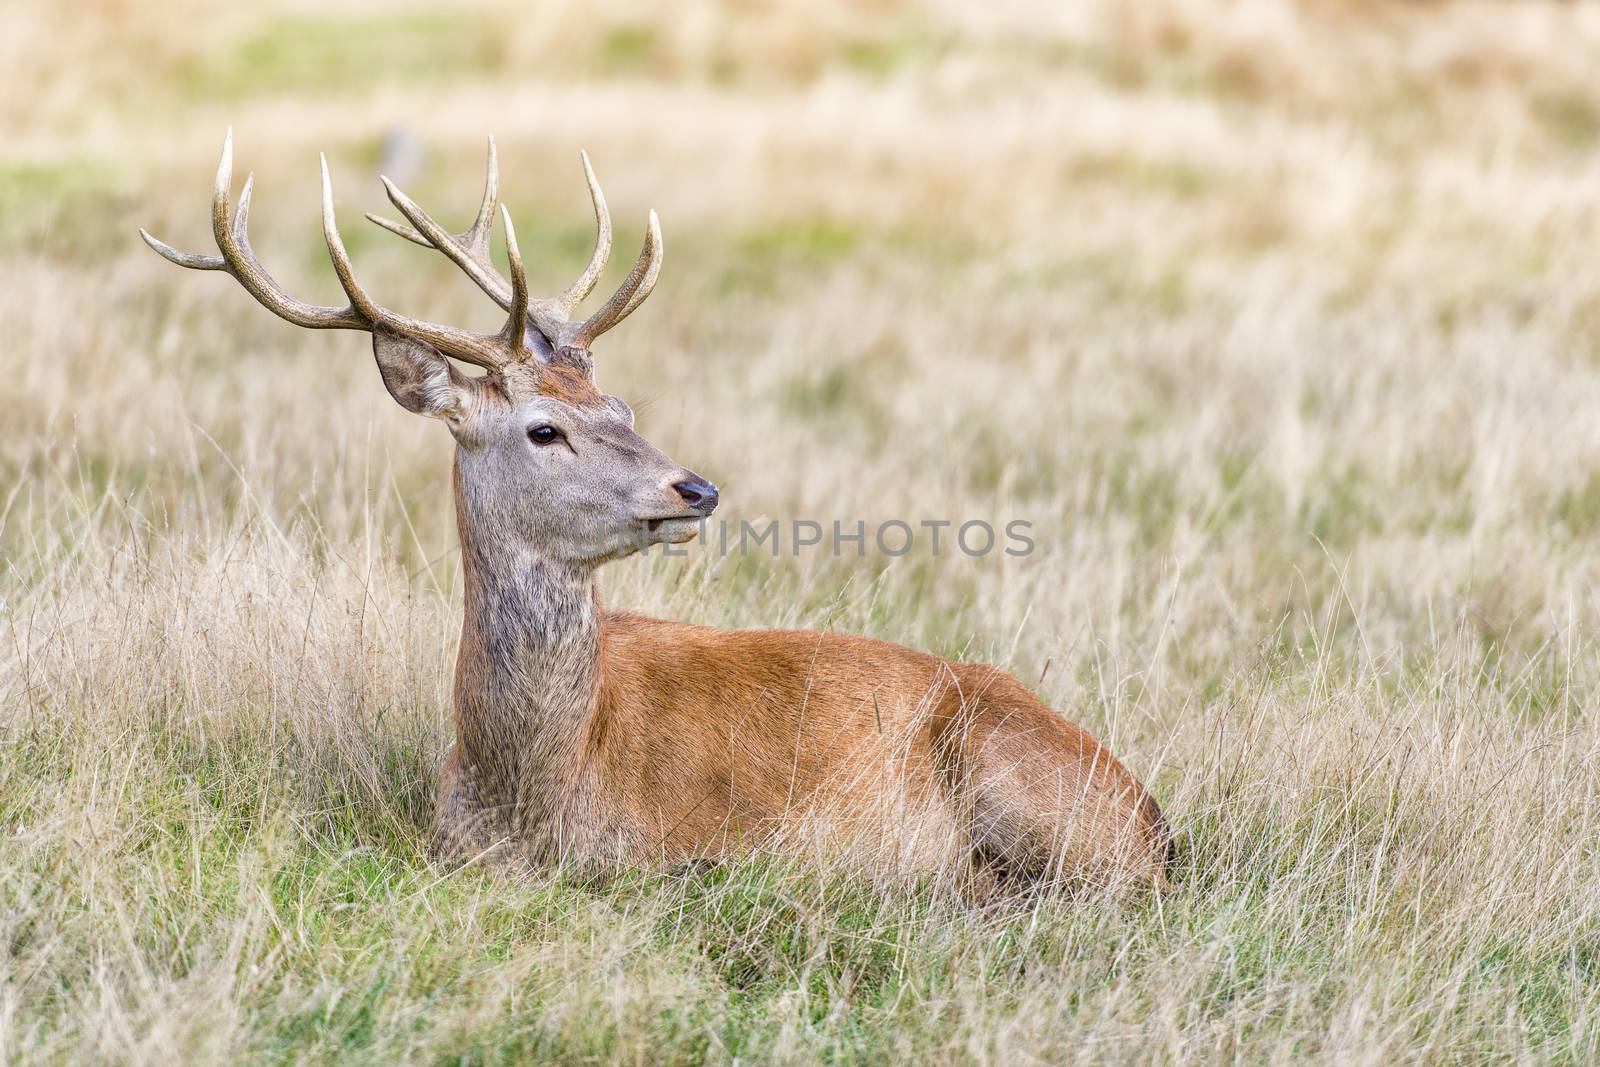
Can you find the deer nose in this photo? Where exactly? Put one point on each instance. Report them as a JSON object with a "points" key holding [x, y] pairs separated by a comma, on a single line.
{"points": [[698, 493]]}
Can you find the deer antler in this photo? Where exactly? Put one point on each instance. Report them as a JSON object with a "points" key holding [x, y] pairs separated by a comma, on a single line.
{"points": [[469, 250], [552, 316]]}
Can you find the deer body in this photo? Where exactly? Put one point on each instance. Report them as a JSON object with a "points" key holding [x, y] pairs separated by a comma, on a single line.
{"points": [[608, 739]]}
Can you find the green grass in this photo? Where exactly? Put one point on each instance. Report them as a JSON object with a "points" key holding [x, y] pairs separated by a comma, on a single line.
{"points": [[60, 203], [239, 867], [1279, 327], [628, 48], [344, 52]]}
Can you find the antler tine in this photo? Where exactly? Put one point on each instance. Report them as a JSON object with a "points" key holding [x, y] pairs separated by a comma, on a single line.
{"points": [[230, 225], [629, 295], [516, 328], [573, 295], [397, 228], [192, 260], [648, 284], [468, 250], [490, 352], [476, 235], [241, 213], [238, 260]]}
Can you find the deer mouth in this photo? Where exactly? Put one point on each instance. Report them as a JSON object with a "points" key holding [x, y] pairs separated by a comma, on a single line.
{"points": [[674, 528], [671, 520]]}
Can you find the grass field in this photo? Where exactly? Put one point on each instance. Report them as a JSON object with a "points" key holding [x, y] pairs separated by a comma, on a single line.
{"points": [[1280, 323]]}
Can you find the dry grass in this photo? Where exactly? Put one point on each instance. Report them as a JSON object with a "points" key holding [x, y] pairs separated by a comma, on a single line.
{"points": [[1279, 322]]}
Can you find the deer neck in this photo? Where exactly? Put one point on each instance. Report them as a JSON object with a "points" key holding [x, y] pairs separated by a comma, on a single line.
{"points": [[527, 673]]}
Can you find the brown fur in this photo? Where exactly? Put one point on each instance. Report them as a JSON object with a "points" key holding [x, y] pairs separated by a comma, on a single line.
{"points": [[726, 737], [568, 384], [603, 739], [640, 741], [600, 740]]}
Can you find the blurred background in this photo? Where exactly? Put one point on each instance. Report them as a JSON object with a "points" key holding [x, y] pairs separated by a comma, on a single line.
{"points": [[1269, 317], [1279, 322]]}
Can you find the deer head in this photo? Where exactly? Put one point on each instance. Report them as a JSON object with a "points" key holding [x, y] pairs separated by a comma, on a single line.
{"points": [[544, 460]]}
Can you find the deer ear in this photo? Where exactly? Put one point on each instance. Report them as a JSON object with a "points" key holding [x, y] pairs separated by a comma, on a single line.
{"points": [[419, 378]]}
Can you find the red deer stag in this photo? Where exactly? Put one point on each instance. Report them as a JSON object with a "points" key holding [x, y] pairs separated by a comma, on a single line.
{"points": [[602, 738]]}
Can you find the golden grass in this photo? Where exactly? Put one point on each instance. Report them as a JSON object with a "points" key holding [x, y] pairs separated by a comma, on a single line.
{"points": [[1279, 322]]}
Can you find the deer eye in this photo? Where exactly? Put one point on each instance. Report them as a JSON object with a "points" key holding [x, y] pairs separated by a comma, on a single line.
{"points": [[544, 434]]}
